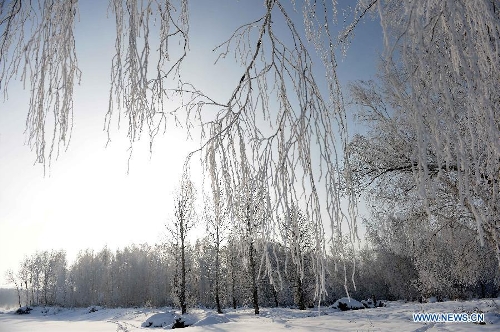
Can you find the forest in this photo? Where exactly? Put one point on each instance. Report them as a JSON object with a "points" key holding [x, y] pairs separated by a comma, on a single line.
{"points": [[393, 265]]}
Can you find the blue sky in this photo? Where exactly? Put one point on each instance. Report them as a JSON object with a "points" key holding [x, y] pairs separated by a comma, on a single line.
{"points": [[88, 200]]}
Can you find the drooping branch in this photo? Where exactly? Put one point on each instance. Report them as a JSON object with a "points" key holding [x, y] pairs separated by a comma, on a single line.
{"points": [[37, 46], [450, 50], [277, 126], [411, 146], [136, 94]]}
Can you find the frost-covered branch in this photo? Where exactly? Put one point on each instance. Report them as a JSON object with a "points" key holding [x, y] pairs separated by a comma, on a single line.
{"points": [[278, 127], [37, 46], [450, 51], [401, 158], [134, 93]]}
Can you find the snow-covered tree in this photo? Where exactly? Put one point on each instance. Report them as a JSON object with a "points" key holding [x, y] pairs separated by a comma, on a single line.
{"points": [[235, 277], [43, 276], [447, 55], [104, 277], [25, 276], [432, 230], [251, 214], [184, 220], [434, 119], [217, 220], [84, 285], [299, 240], [10, 278]]}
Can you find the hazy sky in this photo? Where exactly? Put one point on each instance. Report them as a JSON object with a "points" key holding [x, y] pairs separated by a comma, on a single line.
{"points": [[88, 200]]}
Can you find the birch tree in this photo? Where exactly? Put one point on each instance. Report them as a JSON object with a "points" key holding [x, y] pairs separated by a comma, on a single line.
{"points": [[183, 222], [298, 238], [38, 46], [251, 214], [217, 225], [303, 126]]}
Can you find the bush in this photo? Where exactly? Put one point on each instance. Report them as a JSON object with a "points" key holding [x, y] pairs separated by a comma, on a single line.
{"points": [[23, 310], [93, 309], [343, 306], [179, 324]]}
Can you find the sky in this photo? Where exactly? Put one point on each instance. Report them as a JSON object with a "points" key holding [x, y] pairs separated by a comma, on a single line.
{"points": [[87, 199]]}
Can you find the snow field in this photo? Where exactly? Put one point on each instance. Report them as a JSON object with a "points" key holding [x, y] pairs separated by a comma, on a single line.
{"points": [[396, 316]]}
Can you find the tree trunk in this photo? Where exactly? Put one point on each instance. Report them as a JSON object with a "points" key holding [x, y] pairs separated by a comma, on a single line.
{"points": [[275, 295], [300, 293], [45, 286], [217, 300], [19, 294], [253, 273], [182, 297], [254, 279], [233, 280], [27, 292]]}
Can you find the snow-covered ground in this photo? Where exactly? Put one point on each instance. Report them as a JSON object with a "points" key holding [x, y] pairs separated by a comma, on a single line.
{"points": [[396, 316]]}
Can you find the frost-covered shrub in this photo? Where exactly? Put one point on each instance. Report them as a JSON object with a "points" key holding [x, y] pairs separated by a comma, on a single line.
{"points": [[346, 303]]}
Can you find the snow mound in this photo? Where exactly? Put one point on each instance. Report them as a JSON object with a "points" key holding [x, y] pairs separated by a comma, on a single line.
{"points": [[165, 319], [347, 303], [51, 311], [432, 299], [396, 316], [211, 320]]}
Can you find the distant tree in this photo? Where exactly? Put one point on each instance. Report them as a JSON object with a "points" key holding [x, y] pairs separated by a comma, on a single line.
{"points": [[11, 279], [55, 277], [216, 218], [84, 279], [43, 276], [235, 267], [24, 275], [298, 237], [250, 210], [104, 277], [184, 220], [428, 256], [161, 267]]}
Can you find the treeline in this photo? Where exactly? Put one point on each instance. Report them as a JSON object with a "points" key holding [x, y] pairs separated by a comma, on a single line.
{"points": [[408, 256], [144, 275]]}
